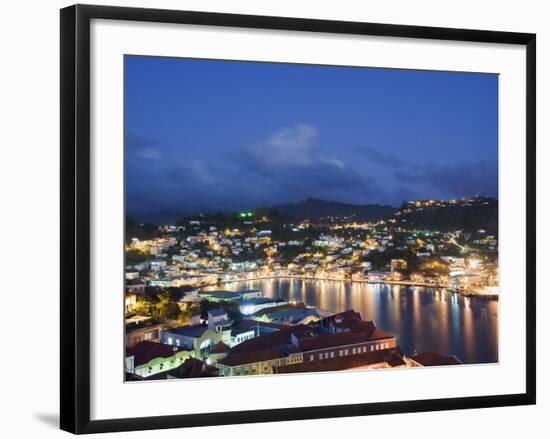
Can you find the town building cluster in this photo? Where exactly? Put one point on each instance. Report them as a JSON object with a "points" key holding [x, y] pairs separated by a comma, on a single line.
{"points": [[216, 347], [180, 322], [209, 250]]}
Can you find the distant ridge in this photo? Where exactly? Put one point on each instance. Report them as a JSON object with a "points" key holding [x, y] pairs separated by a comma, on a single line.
{"points": [[314, 209], [469, 215]]}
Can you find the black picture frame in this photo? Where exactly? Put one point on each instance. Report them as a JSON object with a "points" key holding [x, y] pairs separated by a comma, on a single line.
{"points": [[75, 217]]}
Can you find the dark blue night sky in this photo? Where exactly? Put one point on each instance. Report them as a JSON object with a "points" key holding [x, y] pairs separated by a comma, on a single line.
{"points": [[218, 135]]}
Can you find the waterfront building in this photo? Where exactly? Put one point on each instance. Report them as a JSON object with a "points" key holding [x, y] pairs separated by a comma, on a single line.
{"points": [[252, 306], [398, 265], [231, 296], [378, 275], [287, 314]]}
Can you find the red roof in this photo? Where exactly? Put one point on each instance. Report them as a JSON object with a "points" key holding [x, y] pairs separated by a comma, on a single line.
{"points": [[349, 320], [220, 348], [378, 334], [145, 351], [135, 281], [192, 368], [267, 341]]}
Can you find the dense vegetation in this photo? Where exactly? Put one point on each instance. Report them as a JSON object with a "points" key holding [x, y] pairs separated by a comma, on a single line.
{"points": [[464, 216]]}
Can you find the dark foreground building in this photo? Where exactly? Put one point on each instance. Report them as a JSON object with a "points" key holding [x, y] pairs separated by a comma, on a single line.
{"points": [[338, 342]]}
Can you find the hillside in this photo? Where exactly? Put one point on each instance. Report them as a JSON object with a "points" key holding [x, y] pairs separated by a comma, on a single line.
{"points": [[315, 209], [469, 215]]}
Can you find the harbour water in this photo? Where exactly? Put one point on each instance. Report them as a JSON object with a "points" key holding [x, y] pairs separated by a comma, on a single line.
{"points": [[423, 319]]}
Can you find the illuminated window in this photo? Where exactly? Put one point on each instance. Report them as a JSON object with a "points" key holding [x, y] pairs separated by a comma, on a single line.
{"points": [[332, 354], [311, 357], [353, 351]]}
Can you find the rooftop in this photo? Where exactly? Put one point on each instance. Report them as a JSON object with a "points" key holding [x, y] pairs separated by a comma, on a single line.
{"points": [[268, 341], [218, 312], [136, 281], [145, 351], [193, 331], [221, 295], [220, 348], [248, 324], [262, 300], [193, 368]]}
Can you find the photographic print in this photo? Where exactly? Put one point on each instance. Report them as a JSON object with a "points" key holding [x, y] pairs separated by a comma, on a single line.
{"points": [[292, 218]]}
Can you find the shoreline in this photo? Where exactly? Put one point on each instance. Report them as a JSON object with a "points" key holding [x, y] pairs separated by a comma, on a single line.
{"points": [[465, 293]]}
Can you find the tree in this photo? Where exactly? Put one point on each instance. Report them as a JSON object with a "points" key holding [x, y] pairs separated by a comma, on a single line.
{"points": [[434, 268], [140, 231], [167, 308], [188, 312], [135, 257], [144, 307]]}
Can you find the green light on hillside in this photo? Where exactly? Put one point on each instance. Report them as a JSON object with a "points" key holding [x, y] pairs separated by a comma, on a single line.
{"points": [[246, 214]]}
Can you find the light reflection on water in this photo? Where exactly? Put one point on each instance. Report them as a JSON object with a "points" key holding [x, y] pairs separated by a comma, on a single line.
{"points": [[423, 319]]}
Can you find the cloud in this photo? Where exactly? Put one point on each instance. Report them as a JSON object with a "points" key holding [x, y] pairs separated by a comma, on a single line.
{"points": [[382, 158], [437, 179], [286, 166], [291, 166], [456, 179], [292, 146], [149, 154], [334, 162]]}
